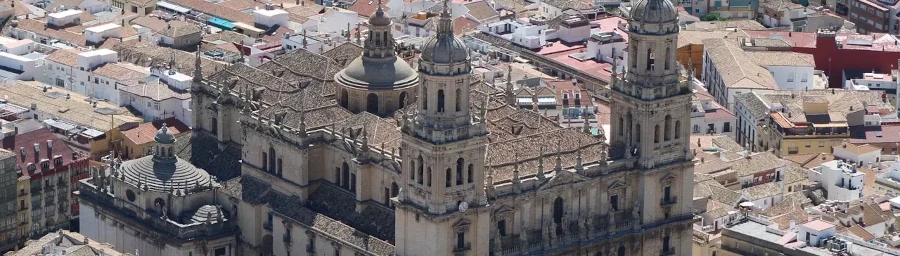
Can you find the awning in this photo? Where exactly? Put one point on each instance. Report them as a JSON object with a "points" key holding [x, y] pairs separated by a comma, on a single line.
{"points": [[221, 23], [59, 125], [91, 133], [173, 7]]}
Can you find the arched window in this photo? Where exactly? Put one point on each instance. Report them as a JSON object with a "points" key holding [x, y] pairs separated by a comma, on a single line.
{"points": [[345, 99], [440, 103], [449, 178], [471, 173], [394, 189], [558, 210], [668, 128], [621, 126], [421, 165], [424, 97], [214, 126], [460, 163], [637, 133], [677, 129], [656, 134], [372, 103], [429, 176], [458, 100], [650, 58], [265, 161], [272, 160], [402, 100], [668, 53], [633, 53], [345, 175]]}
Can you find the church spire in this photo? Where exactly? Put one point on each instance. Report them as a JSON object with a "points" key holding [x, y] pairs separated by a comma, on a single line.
{"points": [[445, 25]]}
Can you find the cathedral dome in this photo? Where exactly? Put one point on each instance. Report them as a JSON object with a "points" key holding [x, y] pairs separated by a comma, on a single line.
{"points": [[161, 176], [164, 135], [207, 214], [654, 11], [444, 49], [378, 74]]}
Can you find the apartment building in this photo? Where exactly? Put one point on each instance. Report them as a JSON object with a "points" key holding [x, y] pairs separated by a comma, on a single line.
{"points": [[873, 16], [8, 208]]}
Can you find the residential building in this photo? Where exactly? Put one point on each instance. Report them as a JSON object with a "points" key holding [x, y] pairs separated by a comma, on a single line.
{"points": [[95, 73], [708, 117], [90, 6], [863, 155], [59, 105], [482, 12], [690, 48], [369, 206], [795, 125], [16, 67], [180, 35], [873, 16], [783, 14], [9, 217], [755, 236], [834, 52], [51, 167], [141, 7], [15, 46], [740, 9], [64, 242], [840, 180], [735, 66], [888, 183], [162, 95], [138, 142]]}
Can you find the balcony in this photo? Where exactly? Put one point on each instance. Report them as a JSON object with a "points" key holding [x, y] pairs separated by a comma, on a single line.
{"points": [[668, 202]]}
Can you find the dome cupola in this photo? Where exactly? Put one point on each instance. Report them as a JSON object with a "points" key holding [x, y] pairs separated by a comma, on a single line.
{"points": [[444, 53], [653, 17]]}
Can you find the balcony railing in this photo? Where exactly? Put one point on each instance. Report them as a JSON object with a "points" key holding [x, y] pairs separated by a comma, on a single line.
{"points": [[668, 201]]}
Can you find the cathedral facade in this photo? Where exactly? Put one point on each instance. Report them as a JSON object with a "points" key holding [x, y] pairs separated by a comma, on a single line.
{"points": [[357, 152]]}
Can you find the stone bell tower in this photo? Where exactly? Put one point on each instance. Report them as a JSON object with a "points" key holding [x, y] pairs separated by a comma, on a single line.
{"points": [[442, 208], [650, 119]]}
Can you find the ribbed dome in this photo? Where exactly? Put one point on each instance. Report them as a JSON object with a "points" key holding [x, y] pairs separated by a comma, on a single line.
{"points": [[207, 212], [164, 135], [378, 74], [379, 19], [163, 176], [444, 49], [654, 11]]}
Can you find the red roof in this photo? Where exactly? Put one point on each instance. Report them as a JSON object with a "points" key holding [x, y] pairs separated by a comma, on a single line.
{"points": [[591, 66], [39, 137], [366, 8], [463, 24], [719, 114], [145, 132]]}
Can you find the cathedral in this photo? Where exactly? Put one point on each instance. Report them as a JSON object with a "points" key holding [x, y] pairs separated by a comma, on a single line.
{"points": [[363, 151]]}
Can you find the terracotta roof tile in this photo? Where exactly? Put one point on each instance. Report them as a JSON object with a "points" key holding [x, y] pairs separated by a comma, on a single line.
{"points": [[481, 10], [68, 57], [38, 138], [366, 8], [145, 132]]}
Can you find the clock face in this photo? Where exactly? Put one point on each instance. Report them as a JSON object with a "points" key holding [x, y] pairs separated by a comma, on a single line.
{"points": [[463, 207]]}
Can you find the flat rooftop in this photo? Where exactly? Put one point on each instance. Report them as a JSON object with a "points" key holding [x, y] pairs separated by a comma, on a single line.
{"points": [[104, 27], [63, 14]]}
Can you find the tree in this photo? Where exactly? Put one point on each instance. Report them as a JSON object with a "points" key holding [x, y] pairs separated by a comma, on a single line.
{"points": [[711, 17]]}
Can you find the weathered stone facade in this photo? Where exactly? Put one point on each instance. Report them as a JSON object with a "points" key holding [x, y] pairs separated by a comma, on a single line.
{"points": [[457, 171]]}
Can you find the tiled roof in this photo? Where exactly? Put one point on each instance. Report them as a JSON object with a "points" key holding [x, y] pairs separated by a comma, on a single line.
{"points": [[755, 106], [858, 149], [145, 132], [76, 109], [216, 10], [120, 73], [860, 232], [202, 150], [518, 6], [240, 5], [37, 138], [692, 37], [156, 91], [153, 23], [227, 36], [68, 4], [344, 53], [366, 8], [840, 102], [722, 25], [20, 8], [301, 13], [780, 5], [40, 28], [732, 63], [756, 163], [340, 204], [147, 54], [762, 191], [780, 58], [177, 28], [481, 10], [461, 25], [68, 57], [711, 188]]}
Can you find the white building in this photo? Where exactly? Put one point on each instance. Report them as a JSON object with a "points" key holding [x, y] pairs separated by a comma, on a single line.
{"points": [[334, 20], [871, 81], [270, 17], [520, 32], [15, 67], [65, 18], [815, 231], [783, 14], [708, 117], [841, 180], [165, 94], [864, 155], [730, 70], [298, 41], [16, 46], [97, 34]]}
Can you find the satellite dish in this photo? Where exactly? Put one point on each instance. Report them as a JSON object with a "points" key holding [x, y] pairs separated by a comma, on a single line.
{"points": [[463, 206]]}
